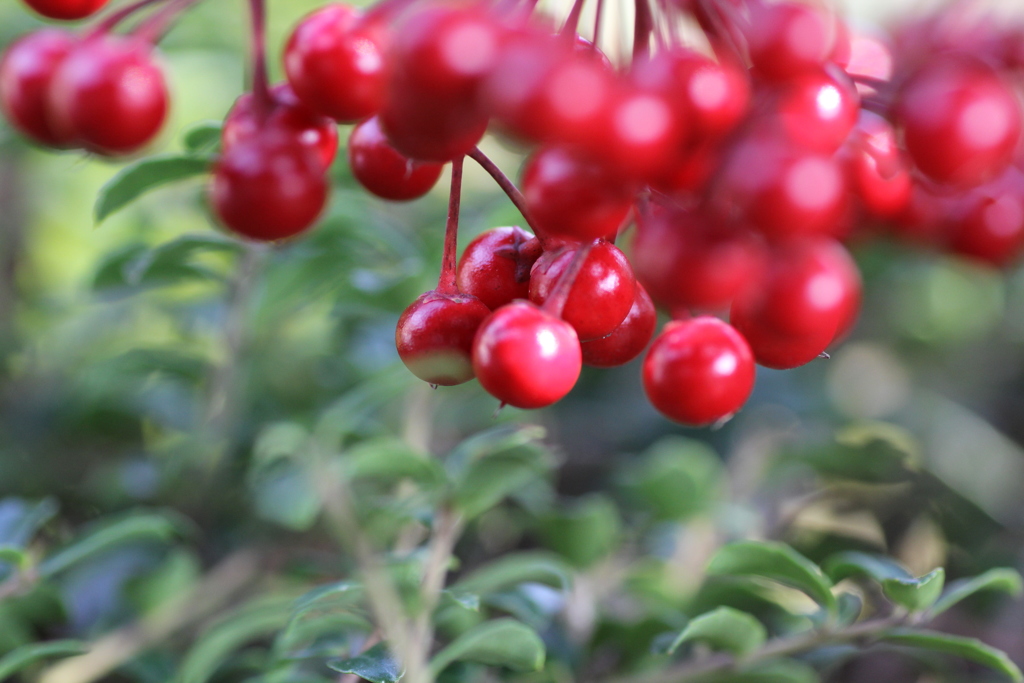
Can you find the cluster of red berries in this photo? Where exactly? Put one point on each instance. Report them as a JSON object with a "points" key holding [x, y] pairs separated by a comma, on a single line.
{"points": [[744, 168]]}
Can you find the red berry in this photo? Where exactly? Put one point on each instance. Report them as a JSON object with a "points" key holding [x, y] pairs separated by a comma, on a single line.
{"points": [[382, 170], [495, 267], [26, 72], [526, 357], [572, 199], [786, 39], [782, 190], [268, 187], [698, 371], [643, 136], [291, 117], [992, 228], [688, 263], [628, 340], [109, 95], [335, 65], [819, 109], [878, 173], [67, 10], [435, 335], [961, 121], [601, 296], [774, 349]]}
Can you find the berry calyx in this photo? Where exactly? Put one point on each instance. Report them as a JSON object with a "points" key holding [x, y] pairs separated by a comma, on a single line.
{"points": [[382, 170], [495, 267], [526, 357], [268, 187], [435, 336], [698, 371]]}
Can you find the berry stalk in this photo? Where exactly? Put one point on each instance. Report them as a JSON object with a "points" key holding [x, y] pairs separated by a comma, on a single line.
{"points": [[555, 303], [260, 85], [446, 282], [507, 186]]}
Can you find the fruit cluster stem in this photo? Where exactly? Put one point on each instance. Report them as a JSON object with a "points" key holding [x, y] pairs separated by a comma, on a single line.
{"points": [[446, 283], [260, 85], [555, 303], [643, 27], [507, 186]]}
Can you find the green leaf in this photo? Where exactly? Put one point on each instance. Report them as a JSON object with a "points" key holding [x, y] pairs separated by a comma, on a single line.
{"points": [[468, 601], [489, 443], [131, 529], [897, 583], [724, 629], [256, 619], [173, 261], [19, 520], [488, 481], [513, 570], [916, 594], [203, 136], [777, 562], [376, 665], [850, 607], [774, 671], [391, 460], [15, 556], [146, 174], [873, 452], [1000, 579], [676, 479], [26, 655], [502, 642], [583, 534], [968, 648]]}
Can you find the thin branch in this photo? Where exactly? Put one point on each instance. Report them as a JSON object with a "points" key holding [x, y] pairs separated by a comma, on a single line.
{"points": [[446, 282], [507, 186]]}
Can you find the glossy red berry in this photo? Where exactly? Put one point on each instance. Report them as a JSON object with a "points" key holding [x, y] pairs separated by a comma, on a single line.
{"points": [[643, 136], [286, 114], [435, 336], [382, 170], [571, 199], [26, 72], [786, 39], [961, 121], [268, 188], [335, 65], [878, 173], [109, 95], [819, 109], [628, 340], [602, 294], [67, 10], [526, 357], [698, 371], [991, 228], [495, 266]]}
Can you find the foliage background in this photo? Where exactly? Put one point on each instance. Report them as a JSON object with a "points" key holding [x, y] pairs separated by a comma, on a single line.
{"points": [[154, 364]]}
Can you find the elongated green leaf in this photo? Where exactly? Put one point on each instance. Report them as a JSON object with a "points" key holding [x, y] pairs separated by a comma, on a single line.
{"points": [[376, 665], [489, 443], [26, 655], [1000, 579], [778, 562], [392, 459], [968, 648], [898, 584], [203, 136], [513, 570], [502, 642], [724, 629], [139, 527], [138, 178], [256, 619]]}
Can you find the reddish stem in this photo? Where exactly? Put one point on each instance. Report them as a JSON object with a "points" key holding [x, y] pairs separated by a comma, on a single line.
{"points": [[555, 303], [507, 186], [643, 26], [153, 29], [260, 86], [598, 12], [446, 283], [111, 21], [573, 20]]}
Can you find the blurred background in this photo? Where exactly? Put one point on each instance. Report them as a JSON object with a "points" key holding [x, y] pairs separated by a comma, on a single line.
{"points": [[152, 362]]}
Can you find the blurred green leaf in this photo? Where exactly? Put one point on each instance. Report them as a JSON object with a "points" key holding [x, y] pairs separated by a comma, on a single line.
{"points": [[502, 642], [1001, 579], [20, 520], [136, 527], [967, 648], [489, 443], [284, 494], [775, 671], [144, 175], [26, 655], [203, 136], [850, 607], [777, 562], [391, 459], [875, 452], [676, 479], [897, 583], [513, 570], [376, 665], [724, 629], [469, 601], [585, 532]]}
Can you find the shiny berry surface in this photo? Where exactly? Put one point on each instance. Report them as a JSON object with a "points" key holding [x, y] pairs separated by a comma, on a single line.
{"points": [[628, 340], [699, 371], [382, 170], [435, 336], [268, 188], [26, 72], [526, 357], [66, 10], [495, 266]]}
